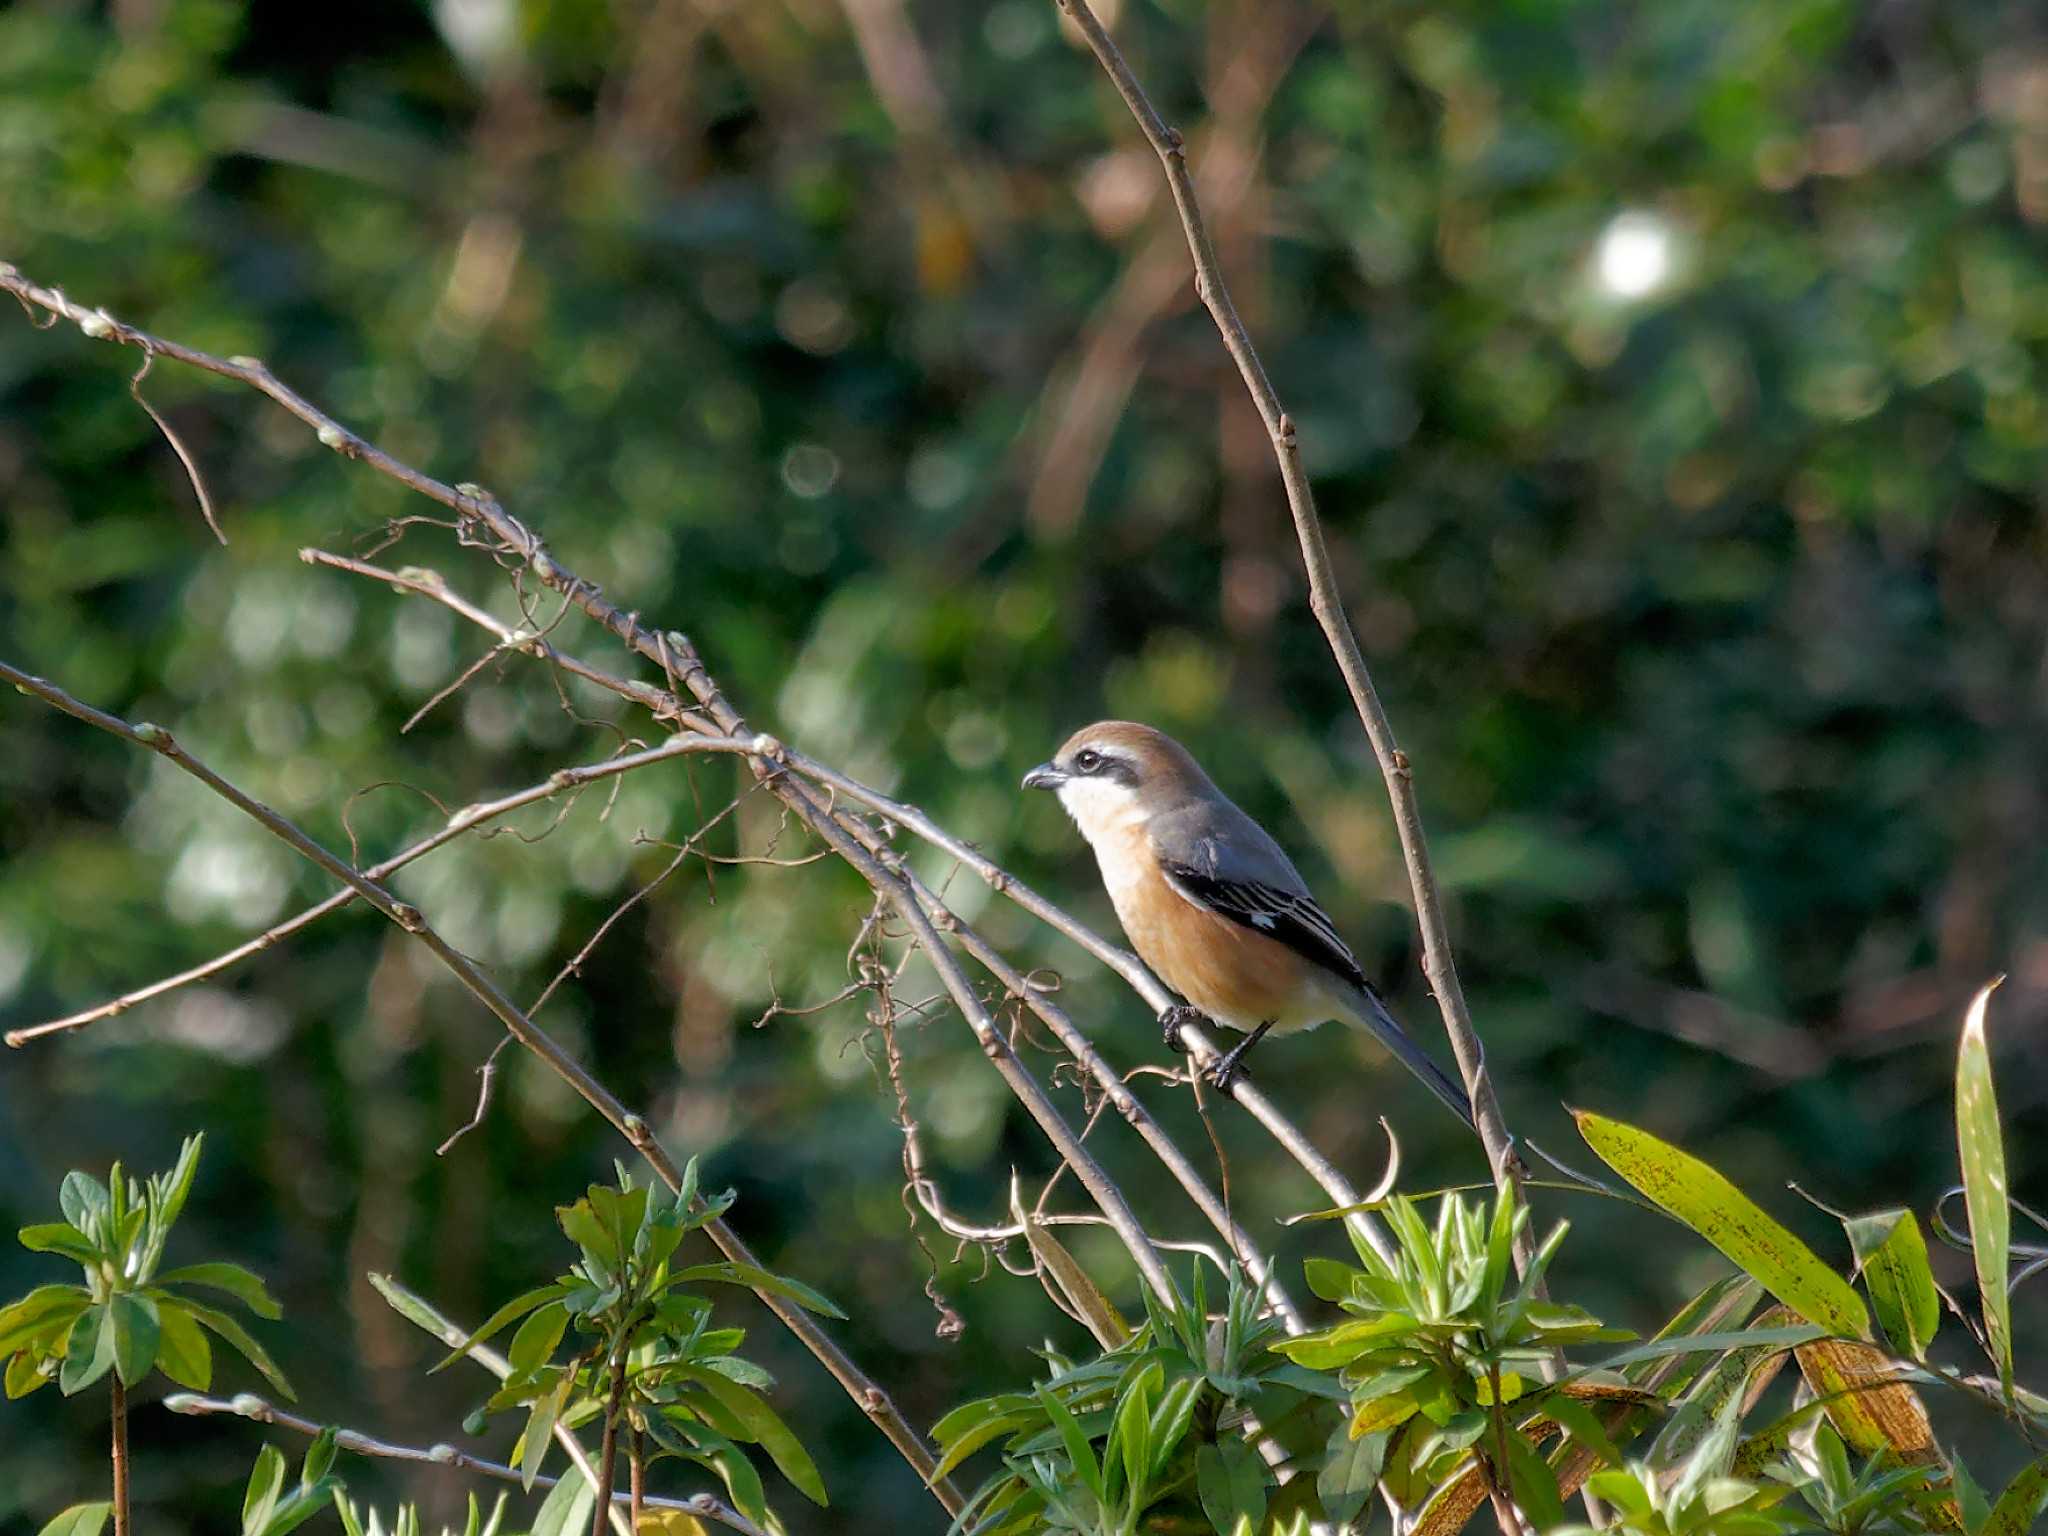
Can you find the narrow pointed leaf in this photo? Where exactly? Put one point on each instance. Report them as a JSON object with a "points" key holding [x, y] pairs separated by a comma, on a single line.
{"points": [[238, 1282], [517, 1307], [769, 1432], [1713, 1207], [266, 1482], [236, 1337], [1082, 1294], [761, 1280], [2023, 1499], [566, 1510], [1893, 1258], [1982, 1145]]}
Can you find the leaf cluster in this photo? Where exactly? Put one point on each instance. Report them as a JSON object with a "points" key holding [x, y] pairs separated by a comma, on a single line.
{"points": [[641, 1343], [127, 1315]]}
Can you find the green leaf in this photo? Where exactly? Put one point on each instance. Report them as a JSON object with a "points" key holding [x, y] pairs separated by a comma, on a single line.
{"points": [[1231, 1481], [24, 1375], [1171, 1419], [41, 1317], [182, 1352], [742, 1482], [236, 1337], [79, 1520], [133, 1323], [299, 1506], [319, 1457], [537, 1337], [266, 1482], [1131, 1429], [176, 1185], [760, 1279], [1535, 1484], [1341, 1345], [1706, 1202], [1583, 1425], [1328, 1279], [973, 1439], [84, 1201], [1892, 1256], [1982, 1145], [58, 1237], [2024, 1496], [1715, 1343], [1351, 1470], [768, 1430], [518, 1306], [88, 1352], [238, 1282], [539, 1433], [566, 1510], [1075, 1439]]}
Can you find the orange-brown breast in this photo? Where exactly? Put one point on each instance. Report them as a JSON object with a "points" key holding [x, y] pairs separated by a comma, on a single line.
{"points": [[1235, 975]]}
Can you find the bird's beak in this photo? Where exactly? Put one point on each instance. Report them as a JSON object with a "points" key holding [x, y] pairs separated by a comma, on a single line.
{"points": [[1044, 776]]}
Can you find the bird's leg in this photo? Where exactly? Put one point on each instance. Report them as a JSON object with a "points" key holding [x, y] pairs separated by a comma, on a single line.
{"points": [[1229, 1067], [1171, 1020]]}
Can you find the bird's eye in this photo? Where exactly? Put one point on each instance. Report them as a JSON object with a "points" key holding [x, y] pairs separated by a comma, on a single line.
{"points": [[1087, 760]]}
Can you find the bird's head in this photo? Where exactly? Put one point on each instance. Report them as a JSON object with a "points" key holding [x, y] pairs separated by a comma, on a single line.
{"points": [[1116, 774]]}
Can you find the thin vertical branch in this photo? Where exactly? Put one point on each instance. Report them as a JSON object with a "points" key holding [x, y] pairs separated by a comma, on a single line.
{"points": [[638, 1452], [1326, 603], [608, 1447], [120, 1454]]}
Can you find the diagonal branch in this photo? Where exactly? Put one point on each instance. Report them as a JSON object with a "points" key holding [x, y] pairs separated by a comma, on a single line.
{"points": [[864, 1391]]}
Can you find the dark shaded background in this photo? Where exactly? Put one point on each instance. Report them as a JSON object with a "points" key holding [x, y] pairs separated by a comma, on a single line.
{"points": [[856, 341]]}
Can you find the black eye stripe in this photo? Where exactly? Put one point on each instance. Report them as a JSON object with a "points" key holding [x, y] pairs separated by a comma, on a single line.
{"points": [[1090, 761]]}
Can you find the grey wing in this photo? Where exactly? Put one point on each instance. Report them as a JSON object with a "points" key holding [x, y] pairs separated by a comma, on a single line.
{"points": [[1220, 859]]}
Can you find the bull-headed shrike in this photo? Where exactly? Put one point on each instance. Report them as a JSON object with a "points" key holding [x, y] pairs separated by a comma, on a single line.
{"points": [[1210, 902]]}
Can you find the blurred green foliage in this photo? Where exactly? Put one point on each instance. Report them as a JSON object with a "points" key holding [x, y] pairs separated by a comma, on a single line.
{"points": [[1673, 377]]}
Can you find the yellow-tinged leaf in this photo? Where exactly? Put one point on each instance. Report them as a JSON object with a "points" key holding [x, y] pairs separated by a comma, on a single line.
{"points": [[1713, 1207], [670, 1522], [1382, 1413], [1982, 1147], [1081, 1293], [1871, 1409]]}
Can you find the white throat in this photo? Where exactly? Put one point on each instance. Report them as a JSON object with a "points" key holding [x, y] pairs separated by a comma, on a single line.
{"points": [[1102, 807]]}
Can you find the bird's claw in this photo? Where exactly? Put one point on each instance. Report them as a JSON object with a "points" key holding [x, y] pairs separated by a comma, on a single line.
{"points": [[1170, 1022], [1226, 1071]]}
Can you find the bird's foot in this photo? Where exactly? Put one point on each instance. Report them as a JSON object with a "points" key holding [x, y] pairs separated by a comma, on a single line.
{"points": [[1170, 1022], [1226, 1069]]}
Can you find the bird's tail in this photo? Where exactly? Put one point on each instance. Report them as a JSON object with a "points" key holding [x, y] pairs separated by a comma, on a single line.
{"points": [[1369, 1013]]}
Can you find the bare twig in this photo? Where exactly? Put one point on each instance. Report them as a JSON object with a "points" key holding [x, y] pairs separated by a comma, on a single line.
{"points": [[249, 1406], [464, 820]]}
